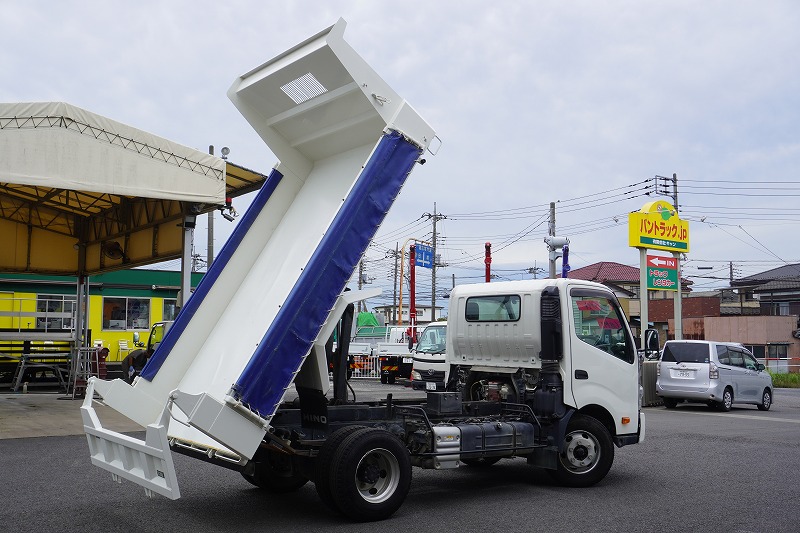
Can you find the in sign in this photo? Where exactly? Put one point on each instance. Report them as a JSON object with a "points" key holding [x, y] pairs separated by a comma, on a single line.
{"points": [[662, 273], [662, 262]]}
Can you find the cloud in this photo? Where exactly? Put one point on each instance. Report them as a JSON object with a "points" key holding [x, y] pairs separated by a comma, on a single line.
{"points": [[534, 101]]}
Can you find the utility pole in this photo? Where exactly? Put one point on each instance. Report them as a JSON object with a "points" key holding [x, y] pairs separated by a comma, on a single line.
{"points": [[210, 246], [433, 268], [435, 217], [394, 296], [551, 231], [554, 244], [675, 191]]}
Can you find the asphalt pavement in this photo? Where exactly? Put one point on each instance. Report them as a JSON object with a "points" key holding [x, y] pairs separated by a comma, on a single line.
{"points": [[698, 470]]}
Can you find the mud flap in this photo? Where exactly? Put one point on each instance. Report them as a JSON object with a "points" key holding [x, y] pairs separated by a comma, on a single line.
{"points": [[147, 463]]}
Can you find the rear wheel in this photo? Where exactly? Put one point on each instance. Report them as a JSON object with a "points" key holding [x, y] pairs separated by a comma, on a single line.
{"points": [[670, 403], [391, 379], [324, 461], [766, 400], [384, 379], [726, 402], [274, 472], [588, 453], [371, 475]]}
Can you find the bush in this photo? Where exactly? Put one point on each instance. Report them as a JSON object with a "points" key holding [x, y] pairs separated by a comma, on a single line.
{"points": [[791, 380]]}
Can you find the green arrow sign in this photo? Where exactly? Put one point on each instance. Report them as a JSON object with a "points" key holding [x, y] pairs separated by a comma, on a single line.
{"points": [[662, 273]]}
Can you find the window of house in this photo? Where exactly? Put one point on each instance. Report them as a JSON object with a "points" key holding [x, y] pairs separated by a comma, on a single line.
{"points": [[169, 308], [58, 309], [778, 351], [120, 314], [758, 351], [780, 308]]}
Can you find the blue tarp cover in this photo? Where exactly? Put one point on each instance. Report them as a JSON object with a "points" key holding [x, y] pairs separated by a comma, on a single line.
{"points": [[289, 338]]}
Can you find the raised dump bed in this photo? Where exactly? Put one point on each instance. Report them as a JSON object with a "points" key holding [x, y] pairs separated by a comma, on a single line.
{"points": [[346, 142]]}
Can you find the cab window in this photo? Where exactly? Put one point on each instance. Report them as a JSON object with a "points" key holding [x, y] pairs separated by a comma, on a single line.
{"points": [[495, 308], [599, 322]]}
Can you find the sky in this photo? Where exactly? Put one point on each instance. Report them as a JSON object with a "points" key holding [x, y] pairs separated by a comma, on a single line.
{"points": [[580, 103]]}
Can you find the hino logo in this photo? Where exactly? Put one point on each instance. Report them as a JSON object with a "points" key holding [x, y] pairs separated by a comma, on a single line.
{"points": [[317, 419]]}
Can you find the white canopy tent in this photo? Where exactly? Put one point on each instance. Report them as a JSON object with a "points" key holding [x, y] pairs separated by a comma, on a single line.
{"points": [[58, 145], [82, 194]]}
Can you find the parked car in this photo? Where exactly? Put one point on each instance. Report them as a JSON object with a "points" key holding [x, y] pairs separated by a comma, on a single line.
{"points": [[718, 373]]}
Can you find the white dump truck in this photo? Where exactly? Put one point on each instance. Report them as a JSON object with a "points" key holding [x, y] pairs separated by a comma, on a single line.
{"points": [[543, 370]]}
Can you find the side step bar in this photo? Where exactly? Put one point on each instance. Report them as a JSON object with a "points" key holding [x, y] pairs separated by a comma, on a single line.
{"points": [[147, 463]]}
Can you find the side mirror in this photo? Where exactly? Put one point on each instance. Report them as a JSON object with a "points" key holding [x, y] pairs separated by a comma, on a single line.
{"points": [[651, 344], [760, 367]]}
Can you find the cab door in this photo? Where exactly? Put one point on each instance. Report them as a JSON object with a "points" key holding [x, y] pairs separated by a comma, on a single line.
{"points": [[604, 367]]}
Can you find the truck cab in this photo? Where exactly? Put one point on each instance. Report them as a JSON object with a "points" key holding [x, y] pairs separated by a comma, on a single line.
{"points": [[430, 368], [502, 337]]}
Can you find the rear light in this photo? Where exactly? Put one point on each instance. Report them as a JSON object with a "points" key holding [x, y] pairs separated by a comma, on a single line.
{"points": [[713, 371], [658, 369]]}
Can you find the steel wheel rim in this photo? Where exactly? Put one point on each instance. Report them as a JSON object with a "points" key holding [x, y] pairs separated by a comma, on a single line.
{"points": [[727, 399], [582, 452], [377, 475]]}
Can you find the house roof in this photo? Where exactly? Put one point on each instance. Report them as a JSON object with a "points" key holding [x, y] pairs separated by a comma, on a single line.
{"points": [[611, 273], [606, 271], [778, 285], [785, 273]]}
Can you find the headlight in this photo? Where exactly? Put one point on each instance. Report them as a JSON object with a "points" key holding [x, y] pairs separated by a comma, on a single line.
{"points": [[415, 376]]}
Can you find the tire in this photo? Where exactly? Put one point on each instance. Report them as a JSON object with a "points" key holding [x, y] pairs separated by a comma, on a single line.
{"points": [[371, 475], [274, 472], [670, 403], [391, 379], [766, 400], [481, 462], [323, 463], [727, 400], [384, 379], [588, 453]]}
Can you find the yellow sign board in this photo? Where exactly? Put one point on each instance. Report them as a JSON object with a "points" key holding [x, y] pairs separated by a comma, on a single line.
{"points": [[656, 226]]}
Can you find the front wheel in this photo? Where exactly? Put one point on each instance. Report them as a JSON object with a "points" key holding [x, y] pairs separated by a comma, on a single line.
{"points": [[670, 403], [371, 475], [766, 400], [587, 453]]}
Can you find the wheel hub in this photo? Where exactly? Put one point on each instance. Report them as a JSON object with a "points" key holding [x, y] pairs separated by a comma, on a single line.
{"points": [[581, 452], [369, 473]]}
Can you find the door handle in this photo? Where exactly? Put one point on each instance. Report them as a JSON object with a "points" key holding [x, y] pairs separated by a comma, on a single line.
{"points": [[581, 374]]}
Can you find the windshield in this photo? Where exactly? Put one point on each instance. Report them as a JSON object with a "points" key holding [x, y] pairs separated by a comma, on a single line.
{"points": [[432, 340], [686, 352]]}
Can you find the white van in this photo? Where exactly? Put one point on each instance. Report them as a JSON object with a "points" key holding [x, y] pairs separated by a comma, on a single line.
{"points": [[717, 373]]}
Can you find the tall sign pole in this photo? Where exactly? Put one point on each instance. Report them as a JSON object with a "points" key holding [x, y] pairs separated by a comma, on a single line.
{"points": [[412, 298], [657, 226]]}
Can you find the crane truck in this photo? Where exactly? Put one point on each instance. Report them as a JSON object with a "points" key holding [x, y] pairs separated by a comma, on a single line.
{"points": [[533, 373]]}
